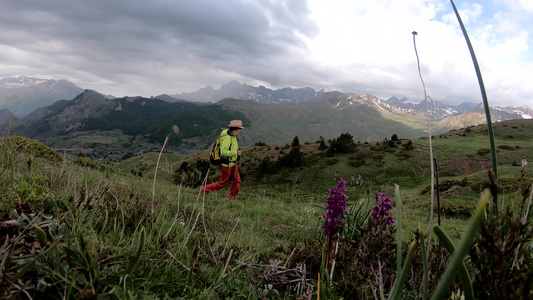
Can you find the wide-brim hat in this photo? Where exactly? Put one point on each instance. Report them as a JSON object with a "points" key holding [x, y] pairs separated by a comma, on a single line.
{"points": [[236, 124]]}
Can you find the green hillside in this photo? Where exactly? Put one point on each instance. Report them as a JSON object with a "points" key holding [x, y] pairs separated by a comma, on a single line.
{"points": [[77, 228], [125, 125], [279, 123]]}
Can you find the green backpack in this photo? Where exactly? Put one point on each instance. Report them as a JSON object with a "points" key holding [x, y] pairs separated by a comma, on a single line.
{"points": [[214, 155]]}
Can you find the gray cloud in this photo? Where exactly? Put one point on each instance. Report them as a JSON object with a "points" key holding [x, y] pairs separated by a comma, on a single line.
{"points": [[151, 47], [135, 39]]}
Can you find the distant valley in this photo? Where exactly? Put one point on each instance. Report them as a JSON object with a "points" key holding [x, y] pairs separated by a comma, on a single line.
{"points": [[90, 121]]}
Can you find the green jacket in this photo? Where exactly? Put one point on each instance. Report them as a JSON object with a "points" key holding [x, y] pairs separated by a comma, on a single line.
{"points": [[228, 148]]}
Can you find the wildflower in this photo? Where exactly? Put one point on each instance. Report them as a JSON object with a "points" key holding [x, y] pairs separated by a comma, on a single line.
{"points": [[335, 209], [381, 210]]}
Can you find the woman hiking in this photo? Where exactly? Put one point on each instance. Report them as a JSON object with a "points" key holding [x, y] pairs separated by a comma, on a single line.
{"points": [[230, 153]]}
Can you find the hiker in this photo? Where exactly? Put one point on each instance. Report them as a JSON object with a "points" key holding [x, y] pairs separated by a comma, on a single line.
{"points": [[230, 155]]}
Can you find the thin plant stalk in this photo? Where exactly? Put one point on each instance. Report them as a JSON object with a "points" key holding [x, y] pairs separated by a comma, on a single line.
{"points": [[232, 230], [177, 213], [430, 148], [483, 93], [528, 207], [226, 265], [437, 189], [155, 175], [205, 229], [425, 280]]}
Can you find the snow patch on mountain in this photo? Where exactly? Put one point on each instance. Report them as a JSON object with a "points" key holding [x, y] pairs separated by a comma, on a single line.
{"points": [[20, 81]]}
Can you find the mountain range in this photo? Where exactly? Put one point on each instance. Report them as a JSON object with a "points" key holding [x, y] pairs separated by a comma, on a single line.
{"points": [[22, 94], [260, 94], [90, 120]]}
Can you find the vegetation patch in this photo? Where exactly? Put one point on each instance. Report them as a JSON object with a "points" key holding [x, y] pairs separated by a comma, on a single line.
{"points": [[32, 147]]}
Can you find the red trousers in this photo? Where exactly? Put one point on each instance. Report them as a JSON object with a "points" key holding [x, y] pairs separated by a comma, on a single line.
{"points": [[226, 174]]}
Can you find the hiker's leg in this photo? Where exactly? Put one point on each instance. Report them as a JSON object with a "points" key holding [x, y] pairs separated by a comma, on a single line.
{"points": [[235, 183], [215, 186]]}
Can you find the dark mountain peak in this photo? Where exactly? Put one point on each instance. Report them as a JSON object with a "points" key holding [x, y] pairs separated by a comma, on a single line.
{"points": [[260, 94], [231, 85], [393, 99], [466, 107], [167, 98], [86, 104], [90, 96], [401, 103], [206, 89], [431, 103]]}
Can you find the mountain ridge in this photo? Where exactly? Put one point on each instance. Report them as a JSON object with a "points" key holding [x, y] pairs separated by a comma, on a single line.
{"points": [[437, 110], [22, 94], [94, 120]]}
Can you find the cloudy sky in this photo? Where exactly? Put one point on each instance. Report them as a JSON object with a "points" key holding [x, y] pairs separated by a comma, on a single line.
{"points": [[147, 48]]}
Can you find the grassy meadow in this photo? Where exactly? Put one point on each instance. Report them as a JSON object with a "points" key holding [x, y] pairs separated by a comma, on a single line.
{"points": [[141, 229]]}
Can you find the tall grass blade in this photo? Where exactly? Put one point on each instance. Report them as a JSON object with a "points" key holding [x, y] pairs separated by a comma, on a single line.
{"points": [[398, 231], [134, 261], [398, 283], [463, 273], [155, 176], [483, 93], [526, 216], [425, 275], [464, 245]]}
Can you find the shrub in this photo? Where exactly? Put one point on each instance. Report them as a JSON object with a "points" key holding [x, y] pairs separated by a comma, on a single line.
{"points": [[295, 142], [356, 163], [202, 165], [457, 209], [292, 159], [447, 184], [505, 185], [507, 147], [409, 145], [93, 164], [501, 258], [482, 152], [343, 144], [403, 155], [378, 156], [322, 144], [33, 147], [266, 166], [331, 161], [193, 174]]}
